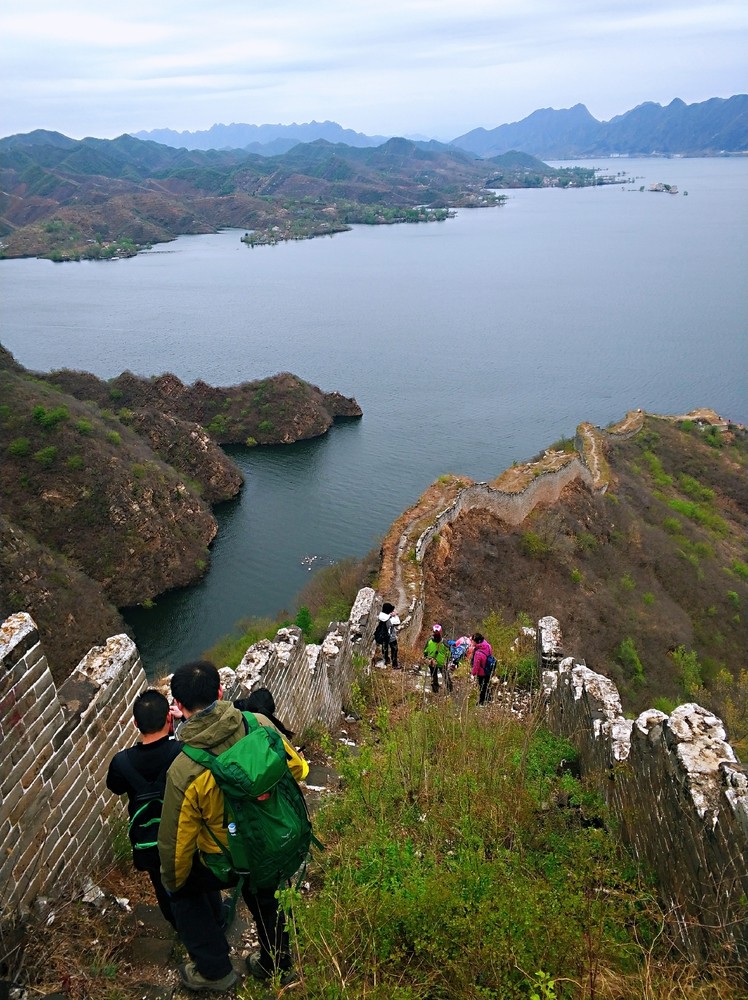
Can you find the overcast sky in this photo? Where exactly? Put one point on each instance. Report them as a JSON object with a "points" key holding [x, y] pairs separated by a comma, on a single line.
{"points": [[435, 68]]}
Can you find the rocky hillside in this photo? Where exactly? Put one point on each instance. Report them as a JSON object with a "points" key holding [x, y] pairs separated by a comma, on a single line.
{"points": [[649, 577], [106, 487]]}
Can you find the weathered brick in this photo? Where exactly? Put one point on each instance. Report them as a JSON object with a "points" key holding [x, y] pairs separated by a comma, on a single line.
{"points": [[65, 782]]}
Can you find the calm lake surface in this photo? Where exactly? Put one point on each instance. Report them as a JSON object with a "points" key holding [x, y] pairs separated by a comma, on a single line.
{"points": [[469, 344]]}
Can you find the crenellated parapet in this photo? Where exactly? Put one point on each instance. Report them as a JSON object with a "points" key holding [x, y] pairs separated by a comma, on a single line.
{"points": [[676, 792]]}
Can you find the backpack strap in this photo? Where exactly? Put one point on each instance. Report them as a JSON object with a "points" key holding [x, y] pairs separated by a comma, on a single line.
{"points": [[204, 757]]}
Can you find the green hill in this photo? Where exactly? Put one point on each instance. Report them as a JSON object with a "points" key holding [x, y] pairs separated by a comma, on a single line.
{"points": [[99, 198]]}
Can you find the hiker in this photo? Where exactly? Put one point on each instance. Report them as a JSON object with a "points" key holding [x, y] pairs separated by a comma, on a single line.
{"points": [[141, 771], [436, 652], [482, 666], [192, 826], [386, 633], [261, 701]]}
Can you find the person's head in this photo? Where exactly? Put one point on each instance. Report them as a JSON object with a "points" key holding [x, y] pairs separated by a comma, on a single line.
{"points": [[436, 633], [260, 700], [150, 712], [477, 637], [388, 608], [196, 685]]}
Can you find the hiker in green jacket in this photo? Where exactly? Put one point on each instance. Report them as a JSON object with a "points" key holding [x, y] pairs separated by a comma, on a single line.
{"points": [[436, 653]]}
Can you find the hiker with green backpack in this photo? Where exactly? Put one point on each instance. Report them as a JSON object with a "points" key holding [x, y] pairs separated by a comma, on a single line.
{"points": [[233, 814]]}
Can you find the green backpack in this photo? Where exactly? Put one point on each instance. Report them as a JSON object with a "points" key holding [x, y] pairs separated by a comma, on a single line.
{"points": [[268, 827]]}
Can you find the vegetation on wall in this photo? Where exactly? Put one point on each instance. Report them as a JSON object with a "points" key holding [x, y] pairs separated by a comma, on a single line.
{"points": [[464, 860]]}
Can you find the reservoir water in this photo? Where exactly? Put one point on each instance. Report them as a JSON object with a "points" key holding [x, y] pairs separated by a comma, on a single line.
{"points": [[469, 344]]}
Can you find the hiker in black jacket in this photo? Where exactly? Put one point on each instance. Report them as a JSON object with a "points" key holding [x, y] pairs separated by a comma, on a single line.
{"points": [[139, 772]]}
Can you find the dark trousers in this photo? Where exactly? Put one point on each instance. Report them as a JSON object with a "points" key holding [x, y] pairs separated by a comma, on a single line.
{"points": [[434, 669], [200, 916], [390, 649], [484, 688], [198, 911], [162, 896]]}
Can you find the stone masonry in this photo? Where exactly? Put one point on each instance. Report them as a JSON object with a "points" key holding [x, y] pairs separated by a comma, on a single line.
{"points": [[677, 793]]}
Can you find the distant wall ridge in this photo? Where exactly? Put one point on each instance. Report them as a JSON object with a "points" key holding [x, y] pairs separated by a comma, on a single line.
{"points": [[516, 493]]}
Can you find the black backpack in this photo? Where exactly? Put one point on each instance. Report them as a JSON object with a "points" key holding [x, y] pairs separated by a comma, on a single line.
{"points": [[382, 632], [145, 813]]}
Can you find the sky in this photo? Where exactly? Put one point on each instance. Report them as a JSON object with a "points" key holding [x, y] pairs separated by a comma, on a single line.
{"points": [[427, 68]]}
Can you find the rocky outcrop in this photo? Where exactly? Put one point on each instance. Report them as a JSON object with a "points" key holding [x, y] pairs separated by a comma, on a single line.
{"points": [[187, 447], [278, 410]]}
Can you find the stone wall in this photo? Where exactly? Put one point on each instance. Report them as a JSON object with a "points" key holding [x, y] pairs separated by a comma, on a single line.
{"points": [[55, 811], [56, 746], [546, 487], [676, 790]]}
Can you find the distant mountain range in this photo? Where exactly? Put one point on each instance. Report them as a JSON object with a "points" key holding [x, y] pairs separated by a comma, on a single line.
{"points": [[711, 128], [268, 140]]}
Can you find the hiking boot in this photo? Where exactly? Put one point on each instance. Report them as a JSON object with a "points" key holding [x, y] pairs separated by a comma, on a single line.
{"points": [[193, 980], [256, 969]]}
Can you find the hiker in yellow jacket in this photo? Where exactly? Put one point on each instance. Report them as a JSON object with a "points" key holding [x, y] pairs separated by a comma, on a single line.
{"points": [[192, 815]]}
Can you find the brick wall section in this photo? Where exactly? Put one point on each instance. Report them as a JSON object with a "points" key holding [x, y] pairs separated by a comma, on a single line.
{"points": [[676, 790], [56, 748], [55, 810]]}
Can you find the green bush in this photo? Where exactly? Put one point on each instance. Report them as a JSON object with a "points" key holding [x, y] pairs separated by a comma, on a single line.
{"points": [[114, 437], [534, 546], [586, 542], [46, 456], [74, 462], [218, 425], [693, 488], [689, 669], [628, 657], [20, 447], [304, 620], [740, 569], [84, 426], [700, 514], [49, 419], [659, 476]]}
